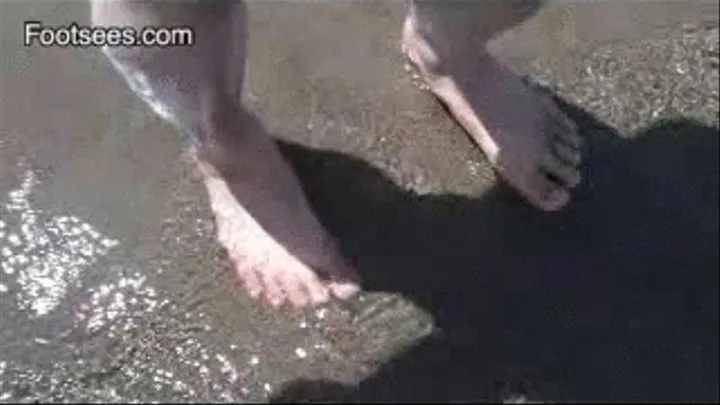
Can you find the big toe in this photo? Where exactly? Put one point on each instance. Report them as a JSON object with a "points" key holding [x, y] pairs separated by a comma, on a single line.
{"points": [[550, 186], [344, 290], [547, 184], [342, 280], [551, 198]]}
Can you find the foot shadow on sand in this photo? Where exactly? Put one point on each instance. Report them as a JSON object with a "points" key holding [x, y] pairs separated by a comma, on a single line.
{"points": [[614, 299]]}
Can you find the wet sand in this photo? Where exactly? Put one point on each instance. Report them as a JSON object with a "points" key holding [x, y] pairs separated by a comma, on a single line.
{"points": [[113, 289]]}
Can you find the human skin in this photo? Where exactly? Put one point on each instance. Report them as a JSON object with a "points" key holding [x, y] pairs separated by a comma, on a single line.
{"points": [[279, 248]]}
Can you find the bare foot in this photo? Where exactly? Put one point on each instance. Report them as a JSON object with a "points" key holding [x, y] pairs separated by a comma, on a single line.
{"points": [[281, 252], [530, 142]]}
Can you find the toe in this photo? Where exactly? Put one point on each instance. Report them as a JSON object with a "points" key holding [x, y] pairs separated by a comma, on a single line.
{"points": [[316, 291], [561, 125], [252, 283], [565, 131], [547, 194], [565, 153], [274, 294], [294, 291], [556, 200], [569, 138], [342, 280], [564, 175], [344, 290]]}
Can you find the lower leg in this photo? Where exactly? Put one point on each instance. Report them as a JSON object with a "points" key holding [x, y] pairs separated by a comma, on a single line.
{"points": [[279, 248], [533, 146]]}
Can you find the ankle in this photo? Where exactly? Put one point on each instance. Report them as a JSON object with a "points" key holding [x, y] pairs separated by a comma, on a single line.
{"points": [[228, 136], [437, 59]]}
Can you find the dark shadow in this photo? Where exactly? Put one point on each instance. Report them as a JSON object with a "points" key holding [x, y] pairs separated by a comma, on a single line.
{"points": [[614, 299]]}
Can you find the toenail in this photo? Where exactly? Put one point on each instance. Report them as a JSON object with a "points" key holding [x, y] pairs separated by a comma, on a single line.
{"points": [[345, 290]]}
